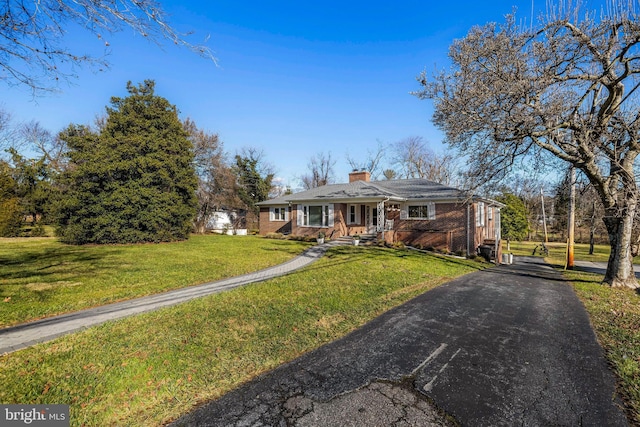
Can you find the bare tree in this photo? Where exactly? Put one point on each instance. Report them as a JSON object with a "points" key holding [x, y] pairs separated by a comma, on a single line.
{"points": [[568, 88], [32, 35], [416, 160], [592, 214], [371, 161], [389, 174], [320, 171], [216, 180], [48, 146], [8, 135]]}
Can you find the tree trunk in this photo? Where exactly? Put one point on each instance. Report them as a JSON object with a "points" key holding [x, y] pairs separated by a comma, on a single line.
{"points": [[619, 224]]}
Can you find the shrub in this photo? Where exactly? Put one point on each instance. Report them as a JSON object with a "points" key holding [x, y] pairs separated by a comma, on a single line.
{"points": [[10, 217], [38, 231]]}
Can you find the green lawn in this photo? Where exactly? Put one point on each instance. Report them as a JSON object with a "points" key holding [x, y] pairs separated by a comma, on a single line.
{"points": [[42, 277], [557, 251], [149, 369]]}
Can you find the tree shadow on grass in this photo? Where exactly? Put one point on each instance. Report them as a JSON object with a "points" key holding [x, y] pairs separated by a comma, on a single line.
{"points": [[286, 247], [65, 261]]}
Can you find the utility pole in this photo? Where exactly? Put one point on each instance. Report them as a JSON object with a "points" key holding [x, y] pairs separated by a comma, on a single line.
{"points": [[544, 217], [571, 218]]}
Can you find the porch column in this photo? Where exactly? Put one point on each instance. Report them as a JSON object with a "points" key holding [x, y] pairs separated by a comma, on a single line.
{"points": [[380, 226]]}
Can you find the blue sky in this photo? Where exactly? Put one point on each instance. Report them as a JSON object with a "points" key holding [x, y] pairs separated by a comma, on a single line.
{"points": [[293, 78]]}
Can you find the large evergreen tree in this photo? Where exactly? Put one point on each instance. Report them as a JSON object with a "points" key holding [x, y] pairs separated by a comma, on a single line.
{"points": [[513, 217], [33, 186], [133, 181], [253, 187], [10, 210]]}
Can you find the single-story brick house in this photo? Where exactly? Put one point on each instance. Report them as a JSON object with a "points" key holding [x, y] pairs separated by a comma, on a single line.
{"points": [[413, 211]]}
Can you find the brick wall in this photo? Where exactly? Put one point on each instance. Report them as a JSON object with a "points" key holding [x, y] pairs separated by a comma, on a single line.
{"points": [[339, 223], [267, 226], [448, 231]]}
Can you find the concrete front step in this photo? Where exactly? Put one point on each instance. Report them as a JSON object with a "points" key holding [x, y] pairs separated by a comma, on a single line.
{"points": [[363, 238]]}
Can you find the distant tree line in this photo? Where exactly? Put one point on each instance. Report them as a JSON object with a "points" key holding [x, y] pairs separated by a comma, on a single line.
{"points": [[139, 175]]}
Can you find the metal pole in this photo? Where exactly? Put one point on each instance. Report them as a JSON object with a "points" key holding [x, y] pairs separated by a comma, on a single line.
{"points": [[571, 219]]}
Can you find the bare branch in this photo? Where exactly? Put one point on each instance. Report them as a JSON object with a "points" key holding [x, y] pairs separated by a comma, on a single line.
{"points": [[32, 35], [568, 89], [320, 171]]}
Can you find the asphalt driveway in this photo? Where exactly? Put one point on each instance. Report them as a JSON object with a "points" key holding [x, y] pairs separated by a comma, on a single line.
{"points": [[508, 346]]}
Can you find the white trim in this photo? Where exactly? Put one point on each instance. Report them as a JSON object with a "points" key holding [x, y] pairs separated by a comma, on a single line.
{"points": [[329, 213], [326, 215], [299, 216], [480, 214], [278, 217]]}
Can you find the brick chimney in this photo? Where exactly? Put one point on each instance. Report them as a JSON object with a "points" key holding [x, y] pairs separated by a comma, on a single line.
{"points": [[359, 176]]}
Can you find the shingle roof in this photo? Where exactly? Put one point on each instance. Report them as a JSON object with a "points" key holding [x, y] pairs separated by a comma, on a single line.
{"points": [[396, 190], [421, 189]]}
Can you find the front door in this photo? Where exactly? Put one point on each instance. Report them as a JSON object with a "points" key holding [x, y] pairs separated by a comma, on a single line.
{"points": [[371, 219]]}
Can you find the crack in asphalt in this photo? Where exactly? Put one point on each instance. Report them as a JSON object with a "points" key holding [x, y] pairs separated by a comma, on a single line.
{"points": [[379, 403]]}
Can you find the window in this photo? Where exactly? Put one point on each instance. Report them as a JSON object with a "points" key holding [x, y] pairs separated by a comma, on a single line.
{"points": [[315, 215], [279, 214], [480, 214], [423, 211], [353, 214], [418, 212], [489, 213]]}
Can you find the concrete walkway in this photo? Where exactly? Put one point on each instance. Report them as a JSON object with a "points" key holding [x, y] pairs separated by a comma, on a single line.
{"points": [[27, 334], [508, 346]]}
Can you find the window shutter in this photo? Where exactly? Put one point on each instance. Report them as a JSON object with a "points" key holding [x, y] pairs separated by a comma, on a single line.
{"points": [[272, 214], [431, 211], [286, 214], [404, 214], [330, 208], [299, 215]]}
